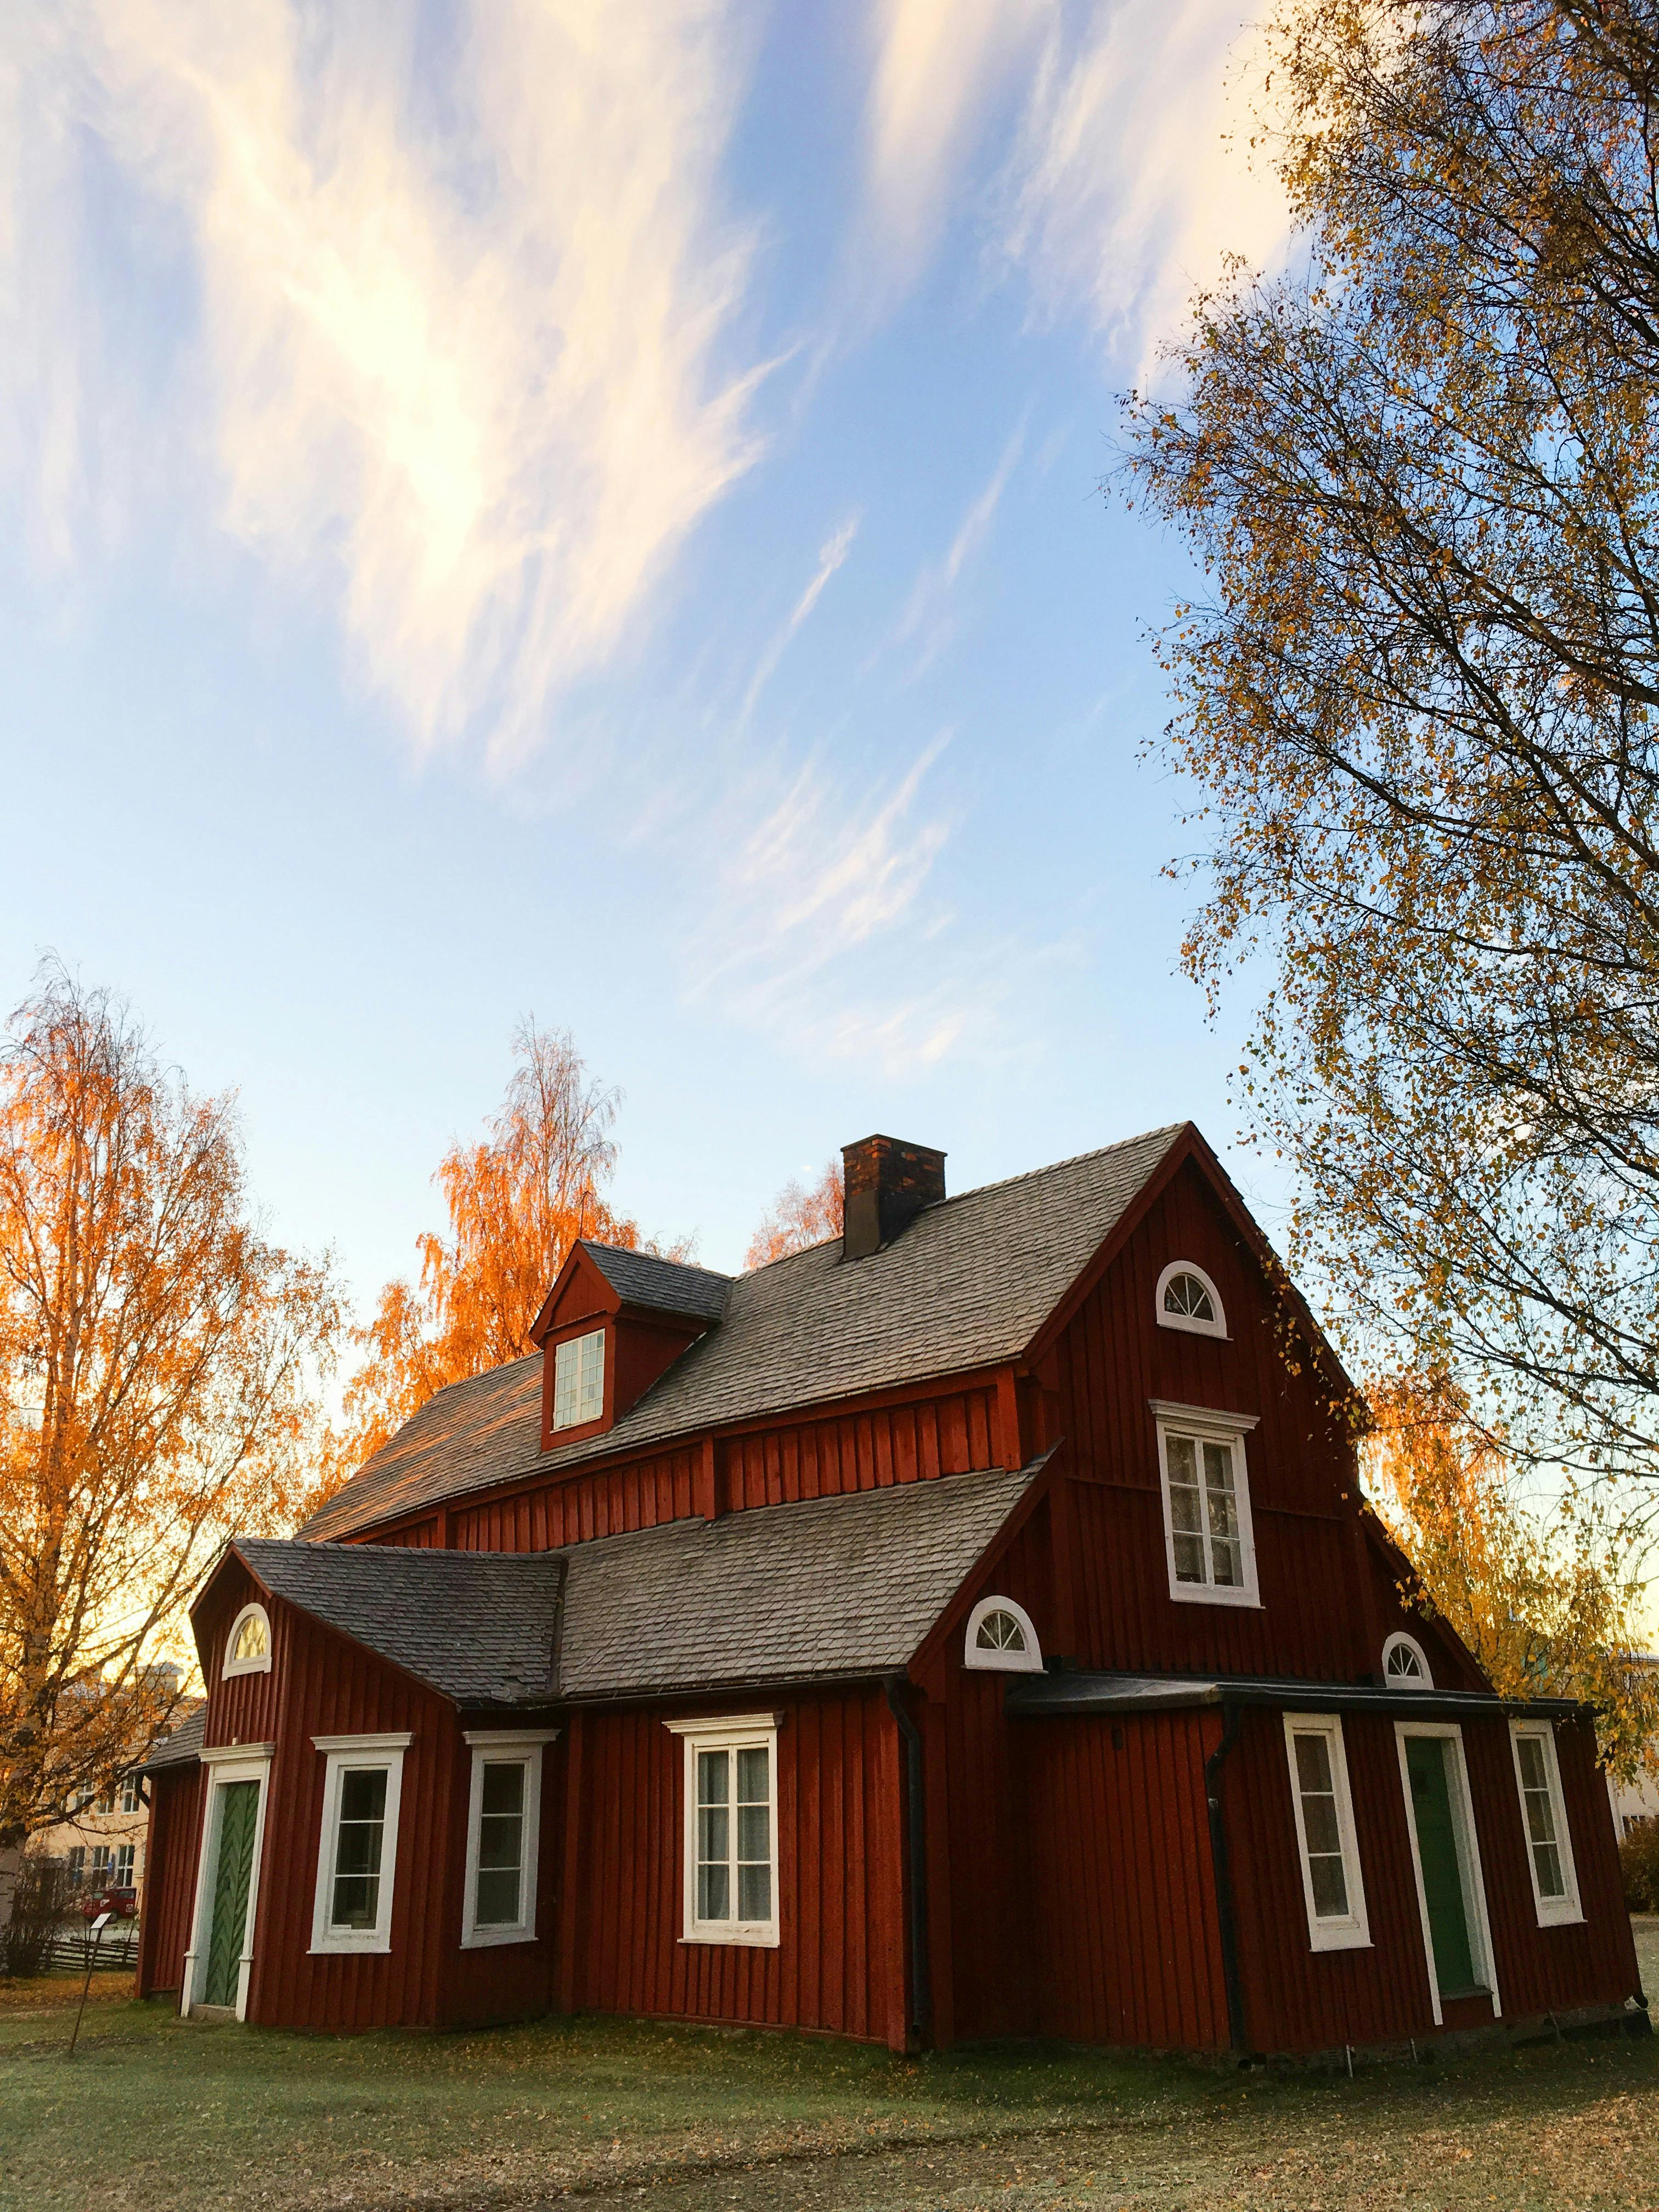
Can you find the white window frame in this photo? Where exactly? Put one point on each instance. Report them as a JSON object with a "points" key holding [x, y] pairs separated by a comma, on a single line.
{"points": [[128, 1797], [1553, 1911], [1213, 1427], [1028, 1661], [733, 1733], [1481, 1954], [504, 1747], [1351, 1931], [346, 1754], [573, 1345], [259, 1665], [1401, 1642], [227, 1762], [1190, 1322]]}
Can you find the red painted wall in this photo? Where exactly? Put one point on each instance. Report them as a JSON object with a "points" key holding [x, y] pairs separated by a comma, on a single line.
{"points": [[175, 1825], [839, 1964]]}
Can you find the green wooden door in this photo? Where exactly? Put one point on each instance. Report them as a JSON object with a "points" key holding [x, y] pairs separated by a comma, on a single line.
{"points": [[239, 1809], [1438, 1852]]}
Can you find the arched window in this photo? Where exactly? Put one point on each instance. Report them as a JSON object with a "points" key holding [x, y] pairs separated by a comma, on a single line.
{"points": [[1187, 1298], [1001, 1639], [1405, 1664], [247, 1648]]}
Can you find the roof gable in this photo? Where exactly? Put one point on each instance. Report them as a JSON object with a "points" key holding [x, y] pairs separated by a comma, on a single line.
{"points": [[966, 1285]]}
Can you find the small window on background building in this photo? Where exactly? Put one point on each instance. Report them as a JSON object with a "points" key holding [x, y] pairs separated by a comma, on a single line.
{"points": [[1405, 1664], [121, 1867], [77, 1865], [1332, 1890], [99, 1865], [103, 1801], [731, 1833], [129, 1794], [1001, 1639], [1544, 1816], [579, 1380]]}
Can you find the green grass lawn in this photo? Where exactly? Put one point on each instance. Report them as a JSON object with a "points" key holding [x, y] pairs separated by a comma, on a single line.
{"points": [[152, 2113]]}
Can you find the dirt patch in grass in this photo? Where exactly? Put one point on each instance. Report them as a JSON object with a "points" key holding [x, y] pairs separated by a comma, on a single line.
{"points": [[153, 2112]]}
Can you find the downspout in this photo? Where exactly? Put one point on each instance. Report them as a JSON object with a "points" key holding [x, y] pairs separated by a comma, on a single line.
{"points": [[915, 1828], [1232, 1715]]}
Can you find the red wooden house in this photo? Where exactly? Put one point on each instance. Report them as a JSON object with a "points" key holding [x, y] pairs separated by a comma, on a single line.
{"points": [[968, 1627]]}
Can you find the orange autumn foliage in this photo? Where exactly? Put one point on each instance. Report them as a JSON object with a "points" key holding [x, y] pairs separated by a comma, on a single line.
{"points": [[158, 1369], [802, 1214], [517, 1202]]}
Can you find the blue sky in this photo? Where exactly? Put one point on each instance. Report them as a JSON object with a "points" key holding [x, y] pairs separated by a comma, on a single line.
{"points": [[594, 512]]}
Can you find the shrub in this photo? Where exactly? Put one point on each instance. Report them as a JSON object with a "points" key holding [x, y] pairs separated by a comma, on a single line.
{"points": [[1638, 1861], [39, 1903]]}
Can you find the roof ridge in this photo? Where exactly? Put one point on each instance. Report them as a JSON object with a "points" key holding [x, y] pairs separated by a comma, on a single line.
{"points": [[638, 1252]]}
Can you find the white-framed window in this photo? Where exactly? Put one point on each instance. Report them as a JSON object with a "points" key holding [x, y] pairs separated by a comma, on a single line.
{"points": [[357, 1850], [579, 1380], [247, 1647], [104, 1802], [1332, 1888], [77, 1865], [1209, 1543], [1001, 1639], [1544, 1817], [1187, 1298], [100, 1862], [730, 1832], [127, 1799], [503, 1836], [120, 1867], [1404, 1664]]}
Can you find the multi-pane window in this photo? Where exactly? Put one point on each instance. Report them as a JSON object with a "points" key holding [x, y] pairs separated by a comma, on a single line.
{"points": [[1001, 1639], [359, 1837], [120, 1872], [1187, 1299], [579, 1380], [129, 1796], [77, 1865], [1404, 1666], [731, 1841], [1332, 1890], [1549, 1848], [358, 1850], [247, 1648], [1206, 1510], [502, 1831]]}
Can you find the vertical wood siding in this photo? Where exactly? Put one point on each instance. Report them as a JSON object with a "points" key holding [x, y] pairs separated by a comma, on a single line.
{"points": [[170, 1849], [1127, 1943], [839, 1964]]}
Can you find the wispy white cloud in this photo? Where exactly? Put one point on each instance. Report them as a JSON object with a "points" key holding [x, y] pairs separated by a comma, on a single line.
{"points": [[832, 554], [1131, 180], [817, 895], [926, 611], [940, 66], [463, 326]]}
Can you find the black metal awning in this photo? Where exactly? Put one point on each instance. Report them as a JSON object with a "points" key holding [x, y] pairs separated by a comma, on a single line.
{"points": [[1050, 1696]]}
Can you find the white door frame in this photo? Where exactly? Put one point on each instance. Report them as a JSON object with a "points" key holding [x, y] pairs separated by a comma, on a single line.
{"points": [[1469, 1858], [225, 1762]]}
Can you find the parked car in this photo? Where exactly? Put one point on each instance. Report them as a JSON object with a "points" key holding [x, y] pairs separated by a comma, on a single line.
{"points": [[122, 1902]]}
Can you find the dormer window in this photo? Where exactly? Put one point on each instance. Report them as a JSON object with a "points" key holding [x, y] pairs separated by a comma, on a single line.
{"points": [[579, 1380], [1187, 1299]]}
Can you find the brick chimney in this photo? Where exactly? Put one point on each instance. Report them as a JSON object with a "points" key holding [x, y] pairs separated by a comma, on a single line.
{"points": [[888, 1183]]}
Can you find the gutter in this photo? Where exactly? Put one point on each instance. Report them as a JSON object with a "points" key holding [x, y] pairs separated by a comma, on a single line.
{"points": [[1232, 1715], [915, 1828]]}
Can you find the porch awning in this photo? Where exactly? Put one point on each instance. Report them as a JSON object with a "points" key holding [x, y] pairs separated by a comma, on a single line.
{"points": [[1046, 1697]]}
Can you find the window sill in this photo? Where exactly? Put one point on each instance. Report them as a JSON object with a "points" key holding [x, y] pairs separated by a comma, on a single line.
{"points": [[369, 1946], [754, 1939], [495, 1939], [1573, 1918], [1340, 1939], [1208, 1594]]}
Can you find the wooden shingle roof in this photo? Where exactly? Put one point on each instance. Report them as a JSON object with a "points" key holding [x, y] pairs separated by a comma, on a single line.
{"points": [[967, 1285]]}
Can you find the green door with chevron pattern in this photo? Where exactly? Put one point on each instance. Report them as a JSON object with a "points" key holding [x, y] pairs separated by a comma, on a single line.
{"points": [[239, 1809]]}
